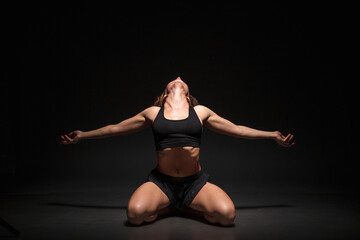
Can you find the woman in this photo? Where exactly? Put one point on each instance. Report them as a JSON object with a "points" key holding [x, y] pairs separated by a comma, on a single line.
{"points": [[178, 182]]}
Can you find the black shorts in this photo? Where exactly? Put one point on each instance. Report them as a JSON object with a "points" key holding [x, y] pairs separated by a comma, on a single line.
{"points": [[180, 190]]}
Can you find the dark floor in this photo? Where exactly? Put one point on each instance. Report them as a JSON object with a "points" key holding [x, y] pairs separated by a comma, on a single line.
{"points": [[269, 214]]}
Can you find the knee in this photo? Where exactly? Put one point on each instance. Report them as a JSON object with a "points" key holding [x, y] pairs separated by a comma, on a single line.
{"points": [[136, 213], [226, 215]]}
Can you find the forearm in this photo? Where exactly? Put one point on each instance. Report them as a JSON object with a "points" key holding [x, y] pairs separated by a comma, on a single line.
{"points": [[251, 133], [103, 132]]}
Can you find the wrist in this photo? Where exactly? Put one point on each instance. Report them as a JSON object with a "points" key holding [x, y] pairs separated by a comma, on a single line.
{"points": [[81, 135], [274, 134]]}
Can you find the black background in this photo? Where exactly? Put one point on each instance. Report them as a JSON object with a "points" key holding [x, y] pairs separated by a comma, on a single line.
{"points": [[269, 66]]}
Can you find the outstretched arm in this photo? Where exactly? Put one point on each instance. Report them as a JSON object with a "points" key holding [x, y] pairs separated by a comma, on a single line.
{"points": [[130, 125], [221, 125]]}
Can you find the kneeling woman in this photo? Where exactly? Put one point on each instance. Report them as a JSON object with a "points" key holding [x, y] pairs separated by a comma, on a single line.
{"points": [[178, 182]]}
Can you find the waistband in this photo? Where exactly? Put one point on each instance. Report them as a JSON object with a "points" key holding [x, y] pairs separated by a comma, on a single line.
{"points": [[172, 179]]}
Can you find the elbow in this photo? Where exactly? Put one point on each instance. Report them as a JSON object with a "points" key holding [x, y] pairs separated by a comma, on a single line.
{"points": [[239, 133], [113, 130]]}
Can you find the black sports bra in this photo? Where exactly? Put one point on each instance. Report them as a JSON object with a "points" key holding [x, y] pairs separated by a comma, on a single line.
{"points": [[177, 133]]}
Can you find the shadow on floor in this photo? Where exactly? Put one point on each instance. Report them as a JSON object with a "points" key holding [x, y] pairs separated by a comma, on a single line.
{"points": [[263, 206], [84, 205], [124, 207], [174, 214]]}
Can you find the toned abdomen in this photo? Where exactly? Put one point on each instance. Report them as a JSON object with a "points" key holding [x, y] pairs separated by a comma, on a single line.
{"points": [[179, 161]]}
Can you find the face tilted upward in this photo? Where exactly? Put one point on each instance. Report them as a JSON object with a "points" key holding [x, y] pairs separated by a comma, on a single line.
{"points": [[177, 84]]}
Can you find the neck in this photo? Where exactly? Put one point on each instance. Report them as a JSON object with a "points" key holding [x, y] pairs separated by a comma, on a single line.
{"points": [[176, 101]]}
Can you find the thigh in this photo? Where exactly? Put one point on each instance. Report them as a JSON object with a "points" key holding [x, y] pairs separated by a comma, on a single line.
{"points": [[148, 197], [212, 199]]}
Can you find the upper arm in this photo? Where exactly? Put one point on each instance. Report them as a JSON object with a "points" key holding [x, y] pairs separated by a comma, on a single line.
{"points": [[134, 124], [218, 124]]}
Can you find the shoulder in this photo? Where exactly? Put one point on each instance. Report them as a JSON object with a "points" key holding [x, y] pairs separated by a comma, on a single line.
{"points": [[202, 108], [151, 108], [150, 112], [203, 111]]}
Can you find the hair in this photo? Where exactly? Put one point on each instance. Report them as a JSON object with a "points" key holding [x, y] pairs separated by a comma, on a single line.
{"points": [[160, 100]]}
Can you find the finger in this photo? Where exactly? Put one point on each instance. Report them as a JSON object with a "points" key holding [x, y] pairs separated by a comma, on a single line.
{"points": [[67, 138], [290, 144], [280, 134], [286, 145], [287, 137], [290, 138], [283, 144], [72, 134], [63, 137]]}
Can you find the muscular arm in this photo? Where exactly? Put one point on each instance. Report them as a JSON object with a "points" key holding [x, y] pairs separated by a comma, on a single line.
{"points": [[134, 124], [130, 125], [221, 125]]}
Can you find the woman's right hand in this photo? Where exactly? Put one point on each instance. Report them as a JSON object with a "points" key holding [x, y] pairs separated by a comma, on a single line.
{"points": [[282, 140], [71, 138]]}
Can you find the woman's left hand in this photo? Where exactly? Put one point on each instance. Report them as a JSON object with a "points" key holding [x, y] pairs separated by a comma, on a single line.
{"points": [[282, 140]]}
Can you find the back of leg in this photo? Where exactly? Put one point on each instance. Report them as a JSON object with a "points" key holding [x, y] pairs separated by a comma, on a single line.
{"points": [[145, 203]]}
